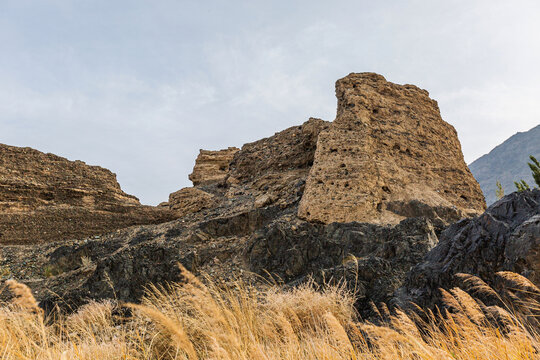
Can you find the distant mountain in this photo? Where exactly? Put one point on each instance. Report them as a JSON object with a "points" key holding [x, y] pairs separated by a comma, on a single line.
{"points": [[507, 163]]}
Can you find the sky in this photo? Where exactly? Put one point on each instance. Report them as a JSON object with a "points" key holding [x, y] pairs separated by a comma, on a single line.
{"points": [[140, 86]]}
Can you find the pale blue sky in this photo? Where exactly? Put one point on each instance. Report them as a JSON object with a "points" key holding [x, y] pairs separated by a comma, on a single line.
{"points": [[140, 86]]}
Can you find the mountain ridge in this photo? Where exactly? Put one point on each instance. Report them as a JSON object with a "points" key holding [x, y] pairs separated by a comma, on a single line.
{"points": [[507, 162]]}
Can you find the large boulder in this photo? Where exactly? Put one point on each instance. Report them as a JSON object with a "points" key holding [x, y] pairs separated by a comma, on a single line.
{"points": [[388, 156], [190, 200], [505, 238], [44, 197]]}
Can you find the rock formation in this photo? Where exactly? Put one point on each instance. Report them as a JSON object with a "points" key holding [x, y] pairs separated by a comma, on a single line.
{"points": [[270, 171], [387, 156], [373, 259], [190, 200], [364, 198], [212, 166], [505, 238], [44, 197]]}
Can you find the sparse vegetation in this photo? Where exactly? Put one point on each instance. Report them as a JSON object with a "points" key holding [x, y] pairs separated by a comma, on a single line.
{"points": [[197, 321], [5, 272], [499, 192], [534, 165], [86, 261], [52, 270], [522, 185]]}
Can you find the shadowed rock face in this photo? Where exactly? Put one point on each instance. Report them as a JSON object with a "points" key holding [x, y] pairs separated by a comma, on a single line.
{"points": [[505, 238], [373, 259], [44, 197], [387, 156]]}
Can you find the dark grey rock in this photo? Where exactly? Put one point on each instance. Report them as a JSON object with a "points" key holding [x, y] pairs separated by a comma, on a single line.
{"points": [[506, 237], [372, 259]]}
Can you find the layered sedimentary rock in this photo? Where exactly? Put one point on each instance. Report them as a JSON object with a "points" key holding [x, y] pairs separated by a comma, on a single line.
{"points": [[45, 197], [190, 200], [212, 166], [387, 156]]}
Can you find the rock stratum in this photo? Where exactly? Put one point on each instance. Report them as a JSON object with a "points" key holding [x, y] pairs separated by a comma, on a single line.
{"points": [[372, 197], [44, 197]]}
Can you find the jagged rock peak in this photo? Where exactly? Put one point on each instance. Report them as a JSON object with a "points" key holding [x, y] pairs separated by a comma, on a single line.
{"points": [[387, 156], [44, 197]]}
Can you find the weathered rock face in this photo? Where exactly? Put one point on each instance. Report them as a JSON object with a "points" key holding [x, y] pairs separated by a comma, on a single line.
{"points": [[212, 166], [190, 200], [387, 156], [374, 259], [274, 170], [242, 216], [45, 197], [271, 171], [505, 238], [122, 263]]}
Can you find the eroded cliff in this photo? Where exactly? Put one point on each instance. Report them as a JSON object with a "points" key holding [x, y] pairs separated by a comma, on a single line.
{"points": [[44, 197], [388, 156]]}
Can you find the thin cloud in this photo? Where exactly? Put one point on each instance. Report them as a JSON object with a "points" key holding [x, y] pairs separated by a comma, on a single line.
{"points": [[139, 87]]}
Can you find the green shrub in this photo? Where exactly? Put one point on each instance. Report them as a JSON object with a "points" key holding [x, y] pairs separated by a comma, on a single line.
{"points": [[535, 168], [499, 192]]}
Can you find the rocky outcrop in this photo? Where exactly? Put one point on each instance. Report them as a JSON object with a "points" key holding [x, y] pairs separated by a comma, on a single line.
{"points": [[388, 156], [373, 259], [274, 170], [270, 171], [363, 198], [505, 238], [44, 197], [265, 241], [122, 263], [190, 200], [212, 166]]}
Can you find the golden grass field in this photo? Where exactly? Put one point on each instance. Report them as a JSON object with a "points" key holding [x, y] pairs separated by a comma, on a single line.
{"points": [[197, 321]]}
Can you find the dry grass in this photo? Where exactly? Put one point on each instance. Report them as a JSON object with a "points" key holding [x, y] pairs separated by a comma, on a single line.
{"points": [[197, 321]]}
